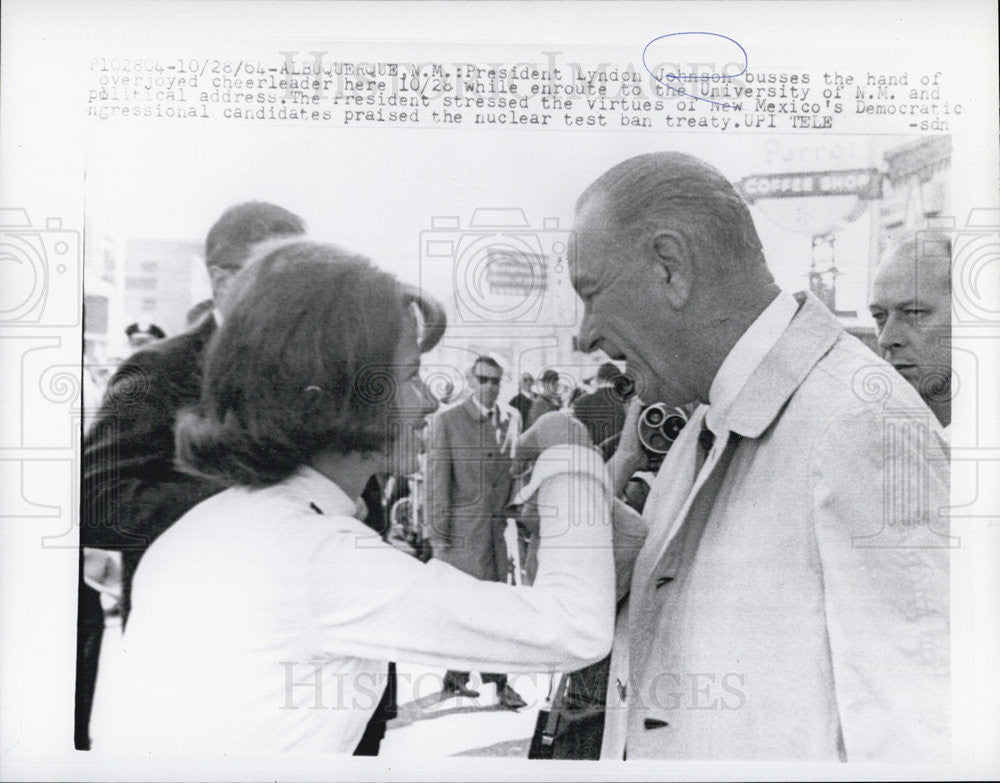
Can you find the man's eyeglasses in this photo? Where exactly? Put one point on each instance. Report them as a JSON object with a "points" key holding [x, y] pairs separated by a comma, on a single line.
{"points": [[484, 379]]}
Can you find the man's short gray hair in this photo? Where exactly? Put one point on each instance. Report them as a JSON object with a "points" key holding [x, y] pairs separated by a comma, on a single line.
{"points": [[681, 191]]}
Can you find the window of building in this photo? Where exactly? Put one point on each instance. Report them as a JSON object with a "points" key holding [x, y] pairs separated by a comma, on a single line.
{"points": [[140, 283]]}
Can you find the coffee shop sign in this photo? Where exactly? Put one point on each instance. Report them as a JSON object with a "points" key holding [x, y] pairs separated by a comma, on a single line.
{"points": [[866, 183]]}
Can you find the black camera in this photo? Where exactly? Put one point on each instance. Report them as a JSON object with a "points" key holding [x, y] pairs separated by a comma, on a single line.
{"points": [[659, 426]]}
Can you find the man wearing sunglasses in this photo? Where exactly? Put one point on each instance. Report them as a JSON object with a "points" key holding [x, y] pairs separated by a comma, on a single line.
{"points": [[470, 469]]}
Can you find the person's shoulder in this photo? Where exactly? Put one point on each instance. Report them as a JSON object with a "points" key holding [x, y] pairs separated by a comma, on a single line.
{"points": [[447, 415], [224, 508], [855, 395], [158, 365], [853, 378], [592, 398], [819, 363], [244, 521], [182, 348]]}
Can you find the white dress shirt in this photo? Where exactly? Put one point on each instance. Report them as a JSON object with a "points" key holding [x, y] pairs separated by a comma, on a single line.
{"points": [[500, 416], [263, 619], [493, 414]]}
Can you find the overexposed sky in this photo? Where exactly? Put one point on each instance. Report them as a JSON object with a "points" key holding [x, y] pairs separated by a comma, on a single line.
{"points": [[377, 190]]}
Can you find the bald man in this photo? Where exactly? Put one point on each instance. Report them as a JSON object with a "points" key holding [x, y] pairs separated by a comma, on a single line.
{"points": [[911, 305], [790, 599]]}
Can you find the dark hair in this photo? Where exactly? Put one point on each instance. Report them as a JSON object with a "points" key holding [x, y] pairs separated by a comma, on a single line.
{"points": [[301, 365], [150, 329], [487, 360], [671, 188], [550, 376], [232, 238], [608, 372]]}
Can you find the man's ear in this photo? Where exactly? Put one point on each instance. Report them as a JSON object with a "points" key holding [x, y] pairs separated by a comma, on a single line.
{"points": [[674, 266], [221, 279]]}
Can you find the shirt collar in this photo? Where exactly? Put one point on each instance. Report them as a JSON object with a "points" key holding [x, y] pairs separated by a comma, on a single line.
{"points": [[217, 314], [744, 357], [312, 487], [482, 408]]}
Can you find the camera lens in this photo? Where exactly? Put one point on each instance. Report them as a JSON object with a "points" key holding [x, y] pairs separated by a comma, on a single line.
{"points": [[658, 442], [672, 427], [659, 426]]}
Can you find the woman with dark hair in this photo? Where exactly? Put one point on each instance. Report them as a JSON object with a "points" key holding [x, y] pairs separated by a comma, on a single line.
{"points": [[289, 606]]}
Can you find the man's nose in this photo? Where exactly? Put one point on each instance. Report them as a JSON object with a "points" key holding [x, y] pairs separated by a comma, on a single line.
{"points": [[892, 335], [587, 339]]}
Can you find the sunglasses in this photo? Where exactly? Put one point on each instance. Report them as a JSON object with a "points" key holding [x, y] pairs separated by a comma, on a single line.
{"points": [[484, 379]]}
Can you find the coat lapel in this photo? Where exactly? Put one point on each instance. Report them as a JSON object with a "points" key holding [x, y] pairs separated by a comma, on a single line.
{"points": [[671, 541], [811, 333], [667, 564]]}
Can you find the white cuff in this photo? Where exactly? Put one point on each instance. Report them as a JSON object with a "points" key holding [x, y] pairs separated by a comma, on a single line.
{"points": [[646, 476], [565, 458]]}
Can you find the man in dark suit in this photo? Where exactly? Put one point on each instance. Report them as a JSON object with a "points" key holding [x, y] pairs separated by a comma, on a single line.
{"points": [[131, 492], [602, 410], [522, 401], [471, 474], [548, 400]]}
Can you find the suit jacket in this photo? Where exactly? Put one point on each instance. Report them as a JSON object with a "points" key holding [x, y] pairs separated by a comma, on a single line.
{"points": [[521, 402], [131, 490], [602, 413], [798, 609], [470, 484]]}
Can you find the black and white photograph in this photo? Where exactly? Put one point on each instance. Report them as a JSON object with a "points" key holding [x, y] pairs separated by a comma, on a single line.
{"points": [[490, 390]]}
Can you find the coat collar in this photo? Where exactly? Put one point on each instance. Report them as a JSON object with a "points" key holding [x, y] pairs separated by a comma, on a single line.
{"points": [[473, 408], [746, 355], [810, 335], [476, 408], [310, 487]]}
